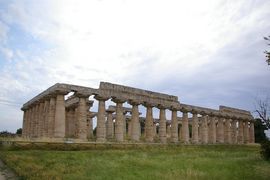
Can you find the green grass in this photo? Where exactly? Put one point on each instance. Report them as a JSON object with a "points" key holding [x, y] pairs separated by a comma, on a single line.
{"points": [[183, 162]]}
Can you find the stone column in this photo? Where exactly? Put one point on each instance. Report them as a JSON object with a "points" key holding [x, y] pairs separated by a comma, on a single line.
{"points": [[246, 132], [24, 122], [101, 128], [40, 120], [90, 134], [135, 122], [212, 129], [185, 128], [227, 131], [30, 115], [36, 115], [251, 132], [120, 121], [234, 130], [195, 128], [82, 117], [168, 129], [33, 121], [51, 117], [45, 117], [60, 115], [204, 129], [174, 126], [109, 125], [240, 131], [162, 125], [149, 123], [220, 130], [68, 122]]}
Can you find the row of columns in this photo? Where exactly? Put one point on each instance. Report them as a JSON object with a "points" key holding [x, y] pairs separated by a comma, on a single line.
{"points": [[50, 118]]}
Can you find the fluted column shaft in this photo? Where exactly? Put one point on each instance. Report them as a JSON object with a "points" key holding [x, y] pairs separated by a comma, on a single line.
{"points": [[251, 132], [90, 134], [30, 116], [174, 127], [60, 117], [240, 132], [220, 131], [234, 131], [162, 126], [45, 117], [82, 118], [195, 128], [227, 131], [149, 124], [101, 128], [119, 122], [212, 129], [135, 123], [51, 117], [246, 132], [109, 125], [185, 129], [204, 129]]}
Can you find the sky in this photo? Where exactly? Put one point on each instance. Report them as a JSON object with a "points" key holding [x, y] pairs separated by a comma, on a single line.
{"points": [[208, 53]]}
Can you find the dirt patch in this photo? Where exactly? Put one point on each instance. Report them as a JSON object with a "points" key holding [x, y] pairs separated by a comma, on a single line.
{"points": [[6, 173]]}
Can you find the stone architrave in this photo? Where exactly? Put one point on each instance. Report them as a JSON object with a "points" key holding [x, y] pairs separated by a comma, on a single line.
{"points": [[162, 125], [135, 123], [101, 127], [174, 127], [149, 124], [185, 128]]}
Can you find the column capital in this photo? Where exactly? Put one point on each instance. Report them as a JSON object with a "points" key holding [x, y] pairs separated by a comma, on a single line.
{"points": [[148, 104], [101, 98], [160, 106], [81, 95], [60, 92], [118, 100], [134, 102]]}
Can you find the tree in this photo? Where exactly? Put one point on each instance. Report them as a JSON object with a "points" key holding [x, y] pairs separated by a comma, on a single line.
{"points": [[259, 128], [262, 107], [267, 52], [19, 131]]}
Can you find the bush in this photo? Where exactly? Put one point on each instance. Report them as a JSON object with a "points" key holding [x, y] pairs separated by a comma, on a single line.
{"points": [[265, 149]]}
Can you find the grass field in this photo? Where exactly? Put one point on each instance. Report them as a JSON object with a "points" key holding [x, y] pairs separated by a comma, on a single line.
{"points": [[183, 162]]}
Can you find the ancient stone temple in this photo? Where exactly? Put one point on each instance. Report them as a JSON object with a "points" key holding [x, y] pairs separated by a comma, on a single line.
{"points": [[50, 115]]}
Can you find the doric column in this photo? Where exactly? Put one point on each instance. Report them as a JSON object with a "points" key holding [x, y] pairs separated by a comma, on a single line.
{"points": [[30, 115], [135, 122], [204, 129], [212, 129], [24, 122], [109, 125], [174, 126], [149, 123], [120, 120], [162, 125], [185, 128], [240, 131], [51, 117], [246, 132], [168, 129], [33, 121], [40, 119], [90, 134], [82, 116], [251, 132], [234, 131], [220, 130], [68, 122], [227, 131], [195, 128], [45, 116], [60, 115], [101, 117], [36, 119]]}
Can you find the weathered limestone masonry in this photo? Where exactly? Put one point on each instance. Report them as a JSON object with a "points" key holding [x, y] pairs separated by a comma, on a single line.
{"points": [[50, 115]]}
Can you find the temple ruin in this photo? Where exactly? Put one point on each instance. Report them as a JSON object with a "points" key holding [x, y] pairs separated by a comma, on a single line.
{"points": [[50, 115]]}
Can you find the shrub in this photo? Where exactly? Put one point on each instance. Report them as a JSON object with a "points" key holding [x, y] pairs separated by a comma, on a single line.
{"points": [[265, 149]]}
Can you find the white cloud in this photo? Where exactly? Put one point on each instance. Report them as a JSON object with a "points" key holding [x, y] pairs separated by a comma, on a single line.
{"points": [[140, 43]]}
